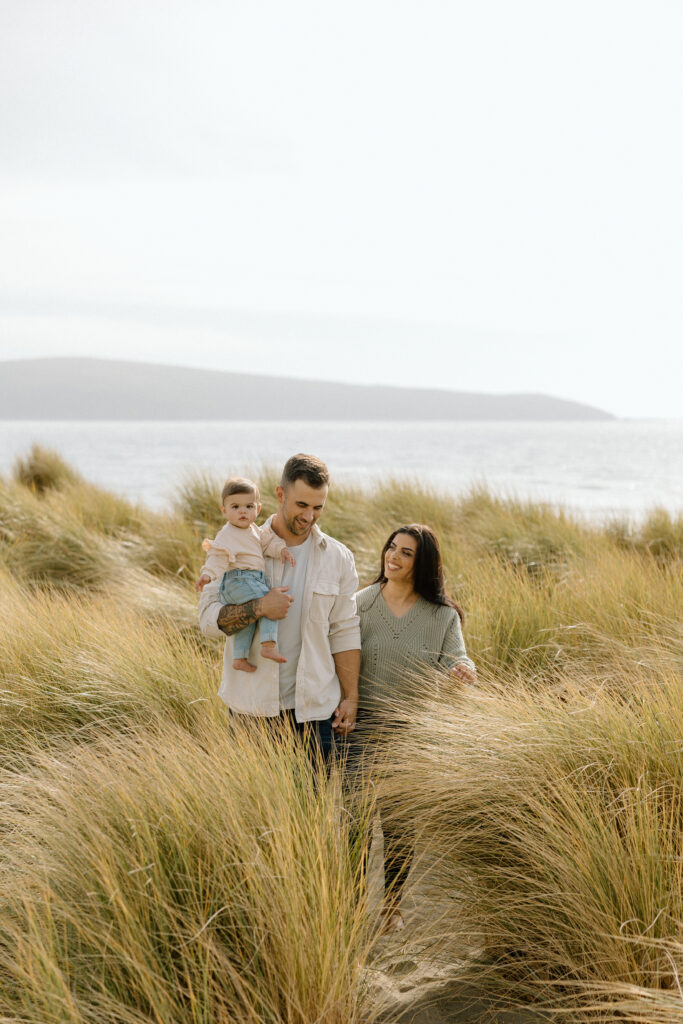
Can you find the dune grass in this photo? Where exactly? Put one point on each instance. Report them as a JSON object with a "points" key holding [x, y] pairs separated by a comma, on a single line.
{"points": [[539, 588], [558, 825], [180, 879], [550, 795], [43, 469], [77, 666], [81, 537]]}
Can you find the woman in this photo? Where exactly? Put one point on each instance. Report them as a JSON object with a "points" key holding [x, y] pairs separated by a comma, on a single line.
{"points": [[408, 623]]}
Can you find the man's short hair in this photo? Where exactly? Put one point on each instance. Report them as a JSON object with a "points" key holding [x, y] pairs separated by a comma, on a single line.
{"points": [[305, 467], [239, 485]]}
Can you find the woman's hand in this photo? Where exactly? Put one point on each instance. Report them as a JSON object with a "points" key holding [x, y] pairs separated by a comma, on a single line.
{"points": [[464, 672], [344, 720]]}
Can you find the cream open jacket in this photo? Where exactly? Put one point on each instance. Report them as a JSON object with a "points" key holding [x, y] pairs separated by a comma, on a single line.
{"points": [[329, 625]]}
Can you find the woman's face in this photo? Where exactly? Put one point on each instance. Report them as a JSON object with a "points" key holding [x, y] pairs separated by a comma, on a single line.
{"points": [[399, 561]]}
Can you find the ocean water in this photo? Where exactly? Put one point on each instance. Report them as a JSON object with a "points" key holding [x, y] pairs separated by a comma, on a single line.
{"points": [[604, 469]]}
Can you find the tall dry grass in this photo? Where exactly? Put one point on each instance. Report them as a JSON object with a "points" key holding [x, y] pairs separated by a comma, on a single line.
{"points": [[550, 795], [43, 469], [180, 879], [538, 587], [557, 821], [117, 755], [81, 536], [75, 666]]}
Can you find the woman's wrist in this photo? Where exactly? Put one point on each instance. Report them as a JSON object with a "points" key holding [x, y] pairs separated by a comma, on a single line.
{"points": [[464, 670]]}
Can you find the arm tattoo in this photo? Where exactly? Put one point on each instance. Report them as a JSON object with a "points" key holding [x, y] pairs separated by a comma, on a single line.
{"points": [[233, 617]]}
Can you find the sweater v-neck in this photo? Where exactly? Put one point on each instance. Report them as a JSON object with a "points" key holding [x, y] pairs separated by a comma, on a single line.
{"points": [[397, 621]]}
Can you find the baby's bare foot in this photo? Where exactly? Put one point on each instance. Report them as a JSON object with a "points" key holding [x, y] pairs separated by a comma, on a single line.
{"points": [[242, 665], [269, 650]]}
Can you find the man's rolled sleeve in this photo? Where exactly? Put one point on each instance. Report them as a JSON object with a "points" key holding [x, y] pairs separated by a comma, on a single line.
{"points": [[344, 634], [209, 607]]}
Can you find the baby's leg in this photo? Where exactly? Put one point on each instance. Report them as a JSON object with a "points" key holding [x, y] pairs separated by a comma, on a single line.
{"points": [[238, 586], [268, 634], [241, 642]]}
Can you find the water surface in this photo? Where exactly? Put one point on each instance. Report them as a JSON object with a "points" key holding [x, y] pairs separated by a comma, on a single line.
{"points": [[616, 467]]}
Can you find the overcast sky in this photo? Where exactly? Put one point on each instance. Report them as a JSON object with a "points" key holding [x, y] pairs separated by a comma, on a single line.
{"points": [[479, 195]]}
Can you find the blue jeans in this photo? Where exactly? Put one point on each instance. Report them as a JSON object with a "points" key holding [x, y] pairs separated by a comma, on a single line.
{"points": [[237, 587], [320, 735]]}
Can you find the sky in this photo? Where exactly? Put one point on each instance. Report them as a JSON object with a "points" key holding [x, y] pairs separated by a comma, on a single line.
{"points": [[475, 196]]}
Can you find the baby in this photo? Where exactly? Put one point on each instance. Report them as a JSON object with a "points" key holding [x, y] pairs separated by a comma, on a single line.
{"points": [[236, 555]]}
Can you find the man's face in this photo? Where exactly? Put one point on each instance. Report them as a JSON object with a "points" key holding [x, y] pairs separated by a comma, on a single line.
{"points": [[301, 506]]}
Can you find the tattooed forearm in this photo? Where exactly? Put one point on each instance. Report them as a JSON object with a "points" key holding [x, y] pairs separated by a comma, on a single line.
{"points": [[233, 617]]}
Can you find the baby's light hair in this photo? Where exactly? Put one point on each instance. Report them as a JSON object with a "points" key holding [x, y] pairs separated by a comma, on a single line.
{"points": [[239, 485]]}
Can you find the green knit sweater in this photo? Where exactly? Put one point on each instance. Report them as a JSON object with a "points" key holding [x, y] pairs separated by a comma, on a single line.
{"points": [[428, 636]]}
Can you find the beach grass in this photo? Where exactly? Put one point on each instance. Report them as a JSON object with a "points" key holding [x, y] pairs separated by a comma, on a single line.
{"points": [[77, 666], [176, 878], [557, 826], [159, 865]]}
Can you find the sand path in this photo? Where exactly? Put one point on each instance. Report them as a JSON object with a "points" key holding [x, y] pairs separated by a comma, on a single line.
{"points": [[424, 974]]}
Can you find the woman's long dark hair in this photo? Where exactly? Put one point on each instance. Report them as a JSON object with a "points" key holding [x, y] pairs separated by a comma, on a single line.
{"points": [[428, 578]]}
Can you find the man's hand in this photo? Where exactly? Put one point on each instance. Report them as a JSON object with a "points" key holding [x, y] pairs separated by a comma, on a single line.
{"points": [[464, 672], [202, 581], [275, 604], [287, 556], [344, 720], [347, 665]]}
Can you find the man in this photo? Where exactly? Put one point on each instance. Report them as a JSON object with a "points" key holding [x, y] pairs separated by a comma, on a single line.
{"points": [[319, 634]]}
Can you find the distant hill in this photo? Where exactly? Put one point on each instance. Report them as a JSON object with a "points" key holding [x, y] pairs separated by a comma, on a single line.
{"points": [[105, 389]]}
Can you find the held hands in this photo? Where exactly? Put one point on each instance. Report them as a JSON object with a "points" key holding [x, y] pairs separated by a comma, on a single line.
{"points": [[202, 581], [344, 720], [287, 556], [464, 672]]}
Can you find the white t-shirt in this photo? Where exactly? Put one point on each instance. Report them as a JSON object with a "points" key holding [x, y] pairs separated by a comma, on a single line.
{"points": [[289, 628]]}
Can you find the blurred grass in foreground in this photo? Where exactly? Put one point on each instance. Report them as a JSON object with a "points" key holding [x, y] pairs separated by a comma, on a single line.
{"points": [[179, 878], [156, 867], [557, 826]]}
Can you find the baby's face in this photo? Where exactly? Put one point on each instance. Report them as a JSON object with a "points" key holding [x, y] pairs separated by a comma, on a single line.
{"points": [[241, 509]]}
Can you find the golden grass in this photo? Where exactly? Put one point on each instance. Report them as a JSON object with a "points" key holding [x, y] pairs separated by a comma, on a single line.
{"points": [[179, 879], [42, 469], [550, 794], [76, 666], [83, 537], [557, 820]]}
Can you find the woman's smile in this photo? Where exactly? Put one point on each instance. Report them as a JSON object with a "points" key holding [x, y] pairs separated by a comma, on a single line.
{"points": [[400, 558]]}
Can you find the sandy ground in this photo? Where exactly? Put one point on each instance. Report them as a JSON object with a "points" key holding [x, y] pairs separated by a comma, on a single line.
{"points": [[413, 982], [418, 990]]}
